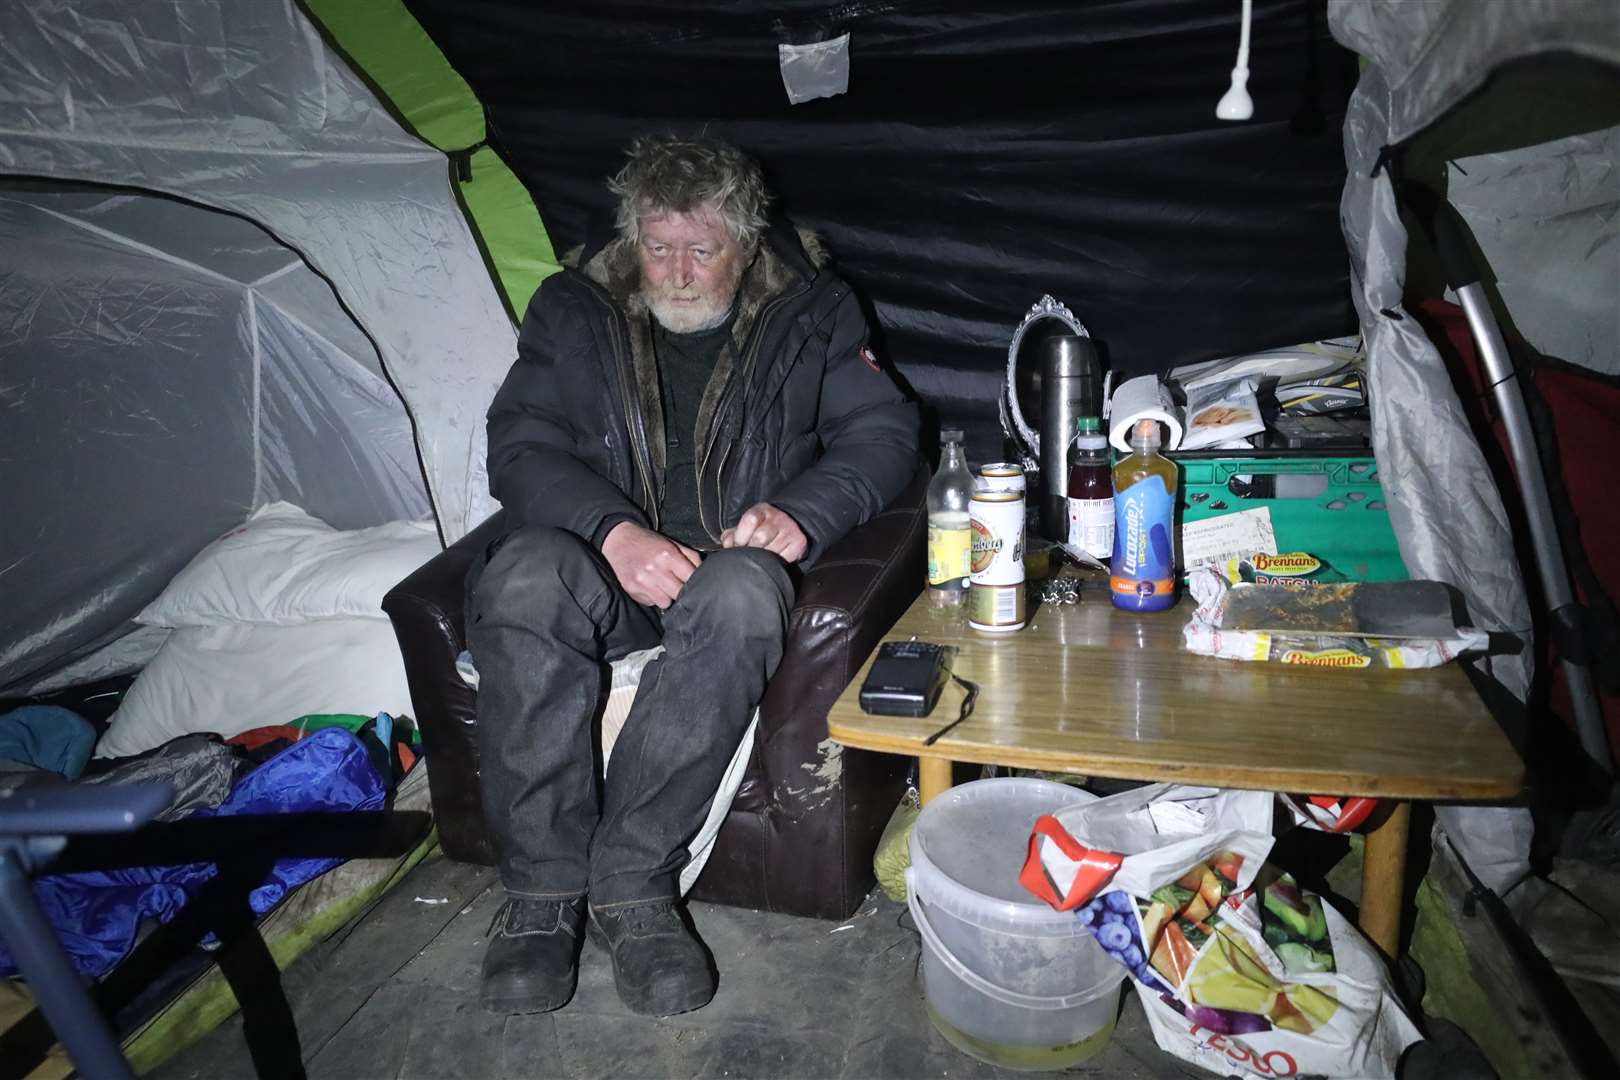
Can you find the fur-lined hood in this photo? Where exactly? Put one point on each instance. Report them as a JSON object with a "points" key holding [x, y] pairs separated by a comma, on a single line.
{"points": [[805, 421], [787, 259], [787, 254]]}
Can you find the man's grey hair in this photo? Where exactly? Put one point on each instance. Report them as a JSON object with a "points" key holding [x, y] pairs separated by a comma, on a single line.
{"points": [[670, 174]]}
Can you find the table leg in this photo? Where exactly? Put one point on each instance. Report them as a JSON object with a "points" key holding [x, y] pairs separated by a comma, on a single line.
{"points": [[933, 777], [1383, 880]]}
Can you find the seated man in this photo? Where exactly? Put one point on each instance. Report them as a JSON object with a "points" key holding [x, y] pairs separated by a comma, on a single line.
{"points": [[693, 411]]}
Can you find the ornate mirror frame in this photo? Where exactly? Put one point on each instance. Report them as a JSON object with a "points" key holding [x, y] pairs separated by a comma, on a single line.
{"points": [[1013, 423]]}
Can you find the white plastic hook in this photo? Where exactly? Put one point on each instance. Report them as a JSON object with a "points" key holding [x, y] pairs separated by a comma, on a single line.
{"points": [[1236, 104]]}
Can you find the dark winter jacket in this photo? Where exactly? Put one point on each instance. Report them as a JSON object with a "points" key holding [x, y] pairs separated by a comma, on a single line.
{"points": [[798, 413]]}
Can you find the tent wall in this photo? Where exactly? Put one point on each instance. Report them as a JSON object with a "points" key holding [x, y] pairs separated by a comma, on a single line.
{"points": [[167, 369], [1447, 513], [79, 309], [1547, 219], [1511, 110], [383, 42], [333, 437], [241, 106], [1546, 202], [983, 155], [1443, 505], [1435, 54]]}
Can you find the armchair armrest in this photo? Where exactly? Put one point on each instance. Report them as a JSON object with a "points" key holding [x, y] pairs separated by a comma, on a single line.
{"points": [[436, 590], [804, 824], [845, 604], [427, 610]]}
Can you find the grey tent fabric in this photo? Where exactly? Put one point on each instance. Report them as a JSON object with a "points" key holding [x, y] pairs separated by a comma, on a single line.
{"points": [[270, 293], [167, 370], [122, 654], [240, 106], [1443, 504], [1447, 514], [1544, 215], [1547, 219], [1434, 53]]}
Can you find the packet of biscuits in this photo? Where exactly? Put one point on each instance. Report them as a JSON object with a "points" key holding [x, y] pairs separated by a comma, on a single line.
{"points": [[1222, 414], [1295, 609]]}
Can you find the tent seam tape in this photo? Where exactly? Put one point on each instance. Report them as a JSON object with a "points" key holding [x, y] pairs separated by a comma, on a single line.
{"points": [[145, 249], [258, 408], [392, 157], [297, 261], [378, 385]]}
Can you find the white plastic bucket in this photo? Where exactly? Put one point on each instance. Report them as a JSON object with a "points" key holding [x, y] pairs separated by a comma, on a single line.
{"points": [[1007, 979]]}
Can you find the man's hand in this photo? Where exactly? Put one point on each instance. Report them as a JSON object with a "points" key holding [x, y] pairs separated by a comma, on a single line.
{"points": [[764, 526], [651, 567]]}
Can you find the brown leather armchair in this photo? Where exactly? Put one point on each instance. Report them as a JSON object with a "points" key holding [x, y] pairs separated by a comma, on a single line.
{"points": [[802, 829]]}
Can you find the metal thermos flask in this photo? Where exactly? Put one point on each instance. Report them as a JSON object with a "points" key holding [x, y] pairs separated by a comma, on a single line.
{"points": [[1071, 387]]}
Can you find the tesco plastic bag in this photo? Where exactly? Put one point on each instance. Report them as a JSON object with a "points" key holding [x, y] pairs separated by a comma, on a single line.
{"points": [[1238, 969]]}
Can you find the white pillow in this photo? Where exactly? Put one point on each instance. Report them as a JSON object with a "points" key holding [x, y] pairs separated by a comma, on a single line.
{"points": [[232, 678], [284, 566]]}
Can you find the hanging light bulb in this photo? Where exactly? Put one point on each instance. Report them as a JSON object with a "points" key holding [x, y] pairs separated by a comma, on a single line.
{"points": [[1236, 104]]}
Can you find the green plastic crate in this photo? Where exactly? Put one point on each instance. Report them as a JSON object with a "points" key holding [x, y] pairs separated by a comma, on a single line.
{"points": [[1331, 507]]}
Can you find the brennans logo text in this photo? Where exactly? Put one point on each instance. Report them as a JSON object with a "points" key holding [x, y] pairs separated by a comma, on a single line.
{"points": [[1292, 563], [1327, 658]]}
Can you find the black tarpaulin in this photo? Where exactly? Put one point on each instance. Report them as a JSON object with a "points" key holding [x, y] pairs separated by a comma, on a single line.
{"points": [[983, 155]]}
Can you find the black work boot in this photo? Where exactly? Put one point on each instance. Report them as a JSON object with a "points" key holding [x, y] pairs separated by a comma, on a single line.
{"points": [[659, 966], [532, 962]]}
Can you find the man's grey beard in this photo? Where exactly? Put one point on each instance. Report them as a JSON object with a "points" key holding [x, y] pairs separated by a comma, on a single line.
{"points": [[687, 319], [696, 318]]}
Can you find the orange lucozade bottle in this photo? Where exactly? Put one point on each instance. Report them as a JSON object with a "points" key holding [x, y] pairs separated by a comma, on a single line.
{"points": [[1143, 570]]}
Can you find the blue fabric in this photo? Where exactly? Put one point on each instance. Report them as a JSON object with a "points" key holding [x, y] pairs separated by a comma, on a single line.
{"points": [[96, 914], [47, 737], [385, 729]]}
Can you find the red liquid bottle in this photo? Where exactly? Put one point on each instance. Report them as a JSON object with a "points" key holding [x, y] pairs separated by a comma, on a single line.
{"points": [[1091, 491]]}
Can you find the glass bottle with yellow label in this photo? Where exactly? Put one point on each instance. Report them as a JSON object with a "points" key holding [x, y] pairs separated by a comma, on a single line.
{"points": [[950, 546]]}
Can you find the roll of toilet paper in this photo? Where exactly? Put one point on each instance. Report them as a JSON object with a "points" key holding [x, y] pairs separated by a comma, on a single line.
{"points": [[1142, 398]]}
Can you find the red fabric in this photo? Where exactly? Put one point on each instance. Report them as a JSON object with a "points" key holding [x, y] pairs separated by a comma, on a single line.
{"points": [[257, 737], [1586, 411]]}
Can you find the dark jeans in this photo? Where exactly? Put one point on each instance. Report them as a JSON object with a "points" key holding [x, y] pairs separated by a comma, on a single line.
{"points": [[544, 615]]}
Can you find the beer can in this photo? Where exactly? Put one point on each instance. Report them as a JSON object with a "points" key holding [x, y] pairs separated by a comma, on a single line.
{"points": [[1000, 476], [996, 585]]}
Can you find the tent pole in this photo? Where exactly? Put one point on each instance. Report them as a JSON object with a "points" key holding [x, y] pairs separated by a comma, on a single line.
{"points": [[1456, 257], [1554, 574]]}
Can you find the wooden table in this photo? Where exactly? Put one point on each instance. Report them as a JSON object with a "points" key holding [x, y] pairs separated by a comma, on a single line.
{"points": [[1089, 689]]}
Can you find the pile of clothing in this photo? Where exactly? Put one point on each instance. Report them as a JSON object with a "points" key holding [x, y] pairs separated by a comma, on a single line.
{"points": [[319, 765]]}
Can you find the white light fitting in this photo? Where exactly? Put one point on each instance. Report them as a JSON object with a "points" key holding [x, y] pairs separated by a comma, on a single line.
{"points": [[1236, 104]]}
